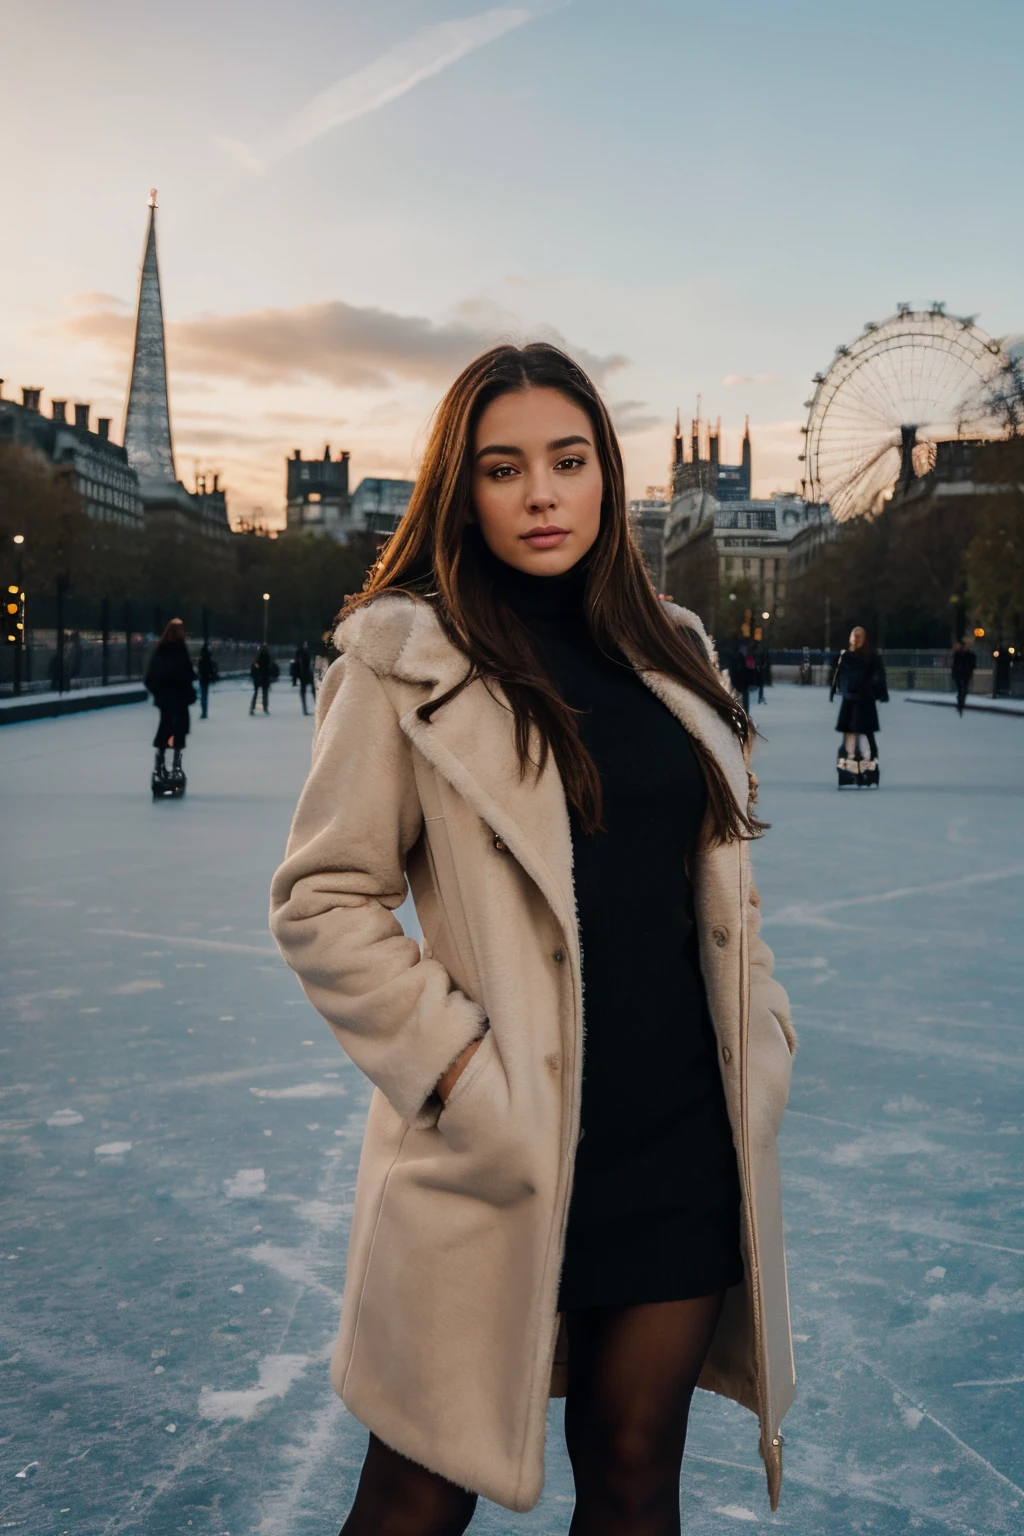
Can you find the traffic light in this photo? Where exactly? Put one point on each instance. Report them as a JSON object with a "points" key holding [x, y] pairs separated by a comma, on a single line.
{"points": [[14, 615]]}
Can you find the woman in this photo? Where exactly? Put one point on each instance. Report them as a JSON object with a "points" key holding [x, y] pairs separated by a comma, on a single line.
{"points": [[170, 679], [520, 729], [860, 678]]}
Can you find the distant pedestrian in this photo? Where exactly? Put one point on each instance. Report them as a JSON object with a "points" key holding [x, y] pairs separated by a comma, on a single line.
{"points": [[741, 675], [860, 679], [763, 674], [260, 672], [170, 679], [302, 673], [962, 665], [208, 674]]}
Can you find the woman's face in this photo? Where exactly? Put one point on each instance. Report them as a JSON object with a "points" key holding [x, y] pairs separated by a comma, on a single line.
{"points": [[537, 481], [857, 638]]}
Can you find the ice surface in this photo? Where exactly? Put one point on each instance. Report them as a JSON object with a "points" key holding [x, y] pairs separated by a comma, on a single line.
{"points": [[168, 1311]]}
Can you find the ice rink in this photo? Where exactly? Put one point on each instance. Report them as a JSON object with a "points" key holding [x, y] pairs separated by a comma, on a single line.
{"points": [[180, 1136]]}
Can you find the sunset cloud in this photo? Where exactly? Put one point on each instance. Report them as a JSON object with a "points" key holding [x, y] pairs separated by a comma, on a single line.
{"points": [[632, 416], [342, 344], [731, 380]]}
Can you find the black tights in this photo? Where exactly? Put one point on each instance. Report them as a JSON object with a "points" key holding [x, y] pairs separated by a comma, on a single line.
{"points": [[632, 1373]]}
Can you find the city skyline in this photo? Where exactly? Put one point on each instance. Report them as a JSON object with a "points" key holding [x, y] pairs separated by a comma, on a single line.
{"points": [[334, 243]]}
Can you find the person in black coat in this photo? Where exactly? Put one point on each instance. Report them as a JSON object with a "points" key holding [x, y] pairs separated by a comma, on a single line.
{"points": [[261, 673], [741, 674], [208, 674], [302, 673], [860, 679], [170, 679], [962, 667]]}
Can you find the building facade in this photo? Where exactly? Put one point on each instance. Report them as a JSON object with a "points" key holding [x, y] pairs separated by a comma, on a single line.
{"points": [[378, 505], [99, 467], [713, 547], [319, 499], [318, 495], [647, 518], [697, 464]]}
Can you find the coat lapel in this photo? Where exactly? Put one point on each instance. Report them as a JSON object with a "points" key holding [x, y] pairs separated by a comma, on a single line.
{"points": [[469, 742], [707, 725]]}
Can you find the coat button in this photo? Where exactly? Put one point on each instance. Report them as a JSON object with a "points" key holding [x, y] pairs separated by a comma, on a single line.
{"points": [[498, 843], [726, 1053], [558, 956], [720, 935]]}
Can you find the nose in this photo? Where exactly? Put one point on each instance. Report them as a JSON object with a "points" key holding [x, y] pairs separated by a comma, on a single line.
{"points": [[540, 491]]}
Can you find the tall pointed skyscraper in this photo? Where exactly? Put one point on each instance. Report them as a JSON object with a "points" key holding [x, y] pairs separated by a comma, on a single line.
{"points": [[147, 422]]}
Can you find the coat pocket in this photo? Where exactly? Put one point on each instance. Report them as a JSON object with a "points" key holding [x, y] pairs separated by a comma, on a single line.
{"points": [[770, 1070], [484, 1150]]}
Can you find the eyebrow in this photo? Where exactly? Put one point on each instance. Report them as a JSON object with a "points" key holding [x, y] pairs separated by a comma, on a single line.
{"points": [[508, 451]]}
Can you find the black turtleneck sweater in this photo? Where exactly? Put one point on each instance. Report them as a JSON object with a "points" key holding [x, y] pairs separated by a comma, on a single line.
{"points": [[655, 1205]]}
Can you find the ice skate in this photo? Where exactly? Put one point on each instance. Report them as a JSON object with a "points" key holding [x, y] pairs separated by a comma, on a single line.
{"points": [[159, 780], [848, 769], [177, 777]]}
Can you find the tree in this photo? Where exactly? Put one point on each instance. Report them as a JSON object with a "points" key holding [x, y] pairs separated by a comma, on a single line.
{"points": [[42, 504], [995, 557]]}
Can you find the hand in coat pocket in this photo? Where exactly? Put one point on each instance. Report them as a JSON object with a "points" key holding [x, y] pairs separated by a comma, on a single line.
{"points": [[446, 1082]]}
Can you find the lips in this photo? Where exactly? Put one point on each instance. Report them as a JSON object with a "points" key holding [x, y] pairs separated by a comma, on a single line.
{"points": [[549, 537]]}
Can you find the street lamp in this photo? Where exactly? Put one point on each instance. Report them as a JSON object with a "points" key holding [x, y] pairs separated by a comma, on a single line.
{"points": [[18, 593], [266, 615]]}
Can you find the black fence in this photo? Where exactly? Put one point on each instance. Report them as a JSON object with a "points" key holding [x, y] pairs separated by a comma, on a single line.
{"points": [[999, 672], [72, 642]]}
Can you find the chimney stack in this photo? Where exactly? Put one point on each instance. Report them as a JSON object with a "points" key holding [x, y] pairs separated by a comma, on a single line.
{"points": [[103, 428], [60, 411], [216, 478], [82, 417], [30, 399]]}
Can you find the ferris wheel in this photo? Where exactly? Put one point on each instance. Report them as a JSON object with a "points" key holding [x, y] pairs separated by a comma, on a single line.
{"points": [[906, 383]]}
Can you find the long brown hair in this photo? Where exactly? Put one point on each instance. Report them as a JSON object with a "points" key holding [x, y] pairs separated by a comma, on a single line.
{"points": [[173, 632], [437, 554]]}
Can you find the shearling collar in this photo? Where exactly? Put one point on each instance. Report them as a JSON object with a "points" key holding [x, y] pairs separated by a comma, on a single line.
{"points": [[400, 636]]}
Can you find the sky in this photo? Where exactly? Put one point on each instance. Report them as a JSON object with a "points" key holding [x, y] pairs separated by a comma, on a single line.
{"points": [[354, 199]]}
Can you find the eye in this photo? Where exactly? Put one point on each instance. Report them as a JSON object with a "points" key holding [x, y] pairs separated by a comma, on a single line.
{"points": [[502, 472], [571, 461]]}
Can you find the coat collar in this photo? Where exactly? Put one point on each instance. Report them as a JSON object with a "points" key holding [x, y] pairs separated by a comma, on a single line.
{"points": [[470, 744]]}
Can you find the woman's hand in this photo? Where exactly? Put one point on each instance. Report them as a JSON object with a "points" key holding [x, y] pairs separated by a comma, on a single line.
{"points": [[447, 1082]]}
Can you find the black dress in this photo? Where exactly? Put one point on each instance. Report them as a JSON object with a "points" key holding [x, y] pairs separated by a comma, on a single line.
{"points": [[655, 1203]]}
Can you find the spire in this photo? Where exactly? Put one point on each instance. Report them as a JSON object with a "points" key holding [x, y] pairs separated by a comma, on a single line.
{"points": [[745, 459], [677, 441], [147, 422]]}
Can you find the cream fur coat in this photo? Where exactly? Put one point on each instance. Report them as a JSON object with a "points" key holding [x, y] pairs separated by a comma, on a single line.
{"points": [[447, 1348]]}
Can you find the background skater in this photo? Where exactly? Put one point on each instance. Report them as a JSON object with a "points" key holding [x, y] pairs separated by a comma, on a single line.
{"points": [[170, 679], [860, 679], [263, 672], [302, 673], [962, 665], [208, 673]]}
